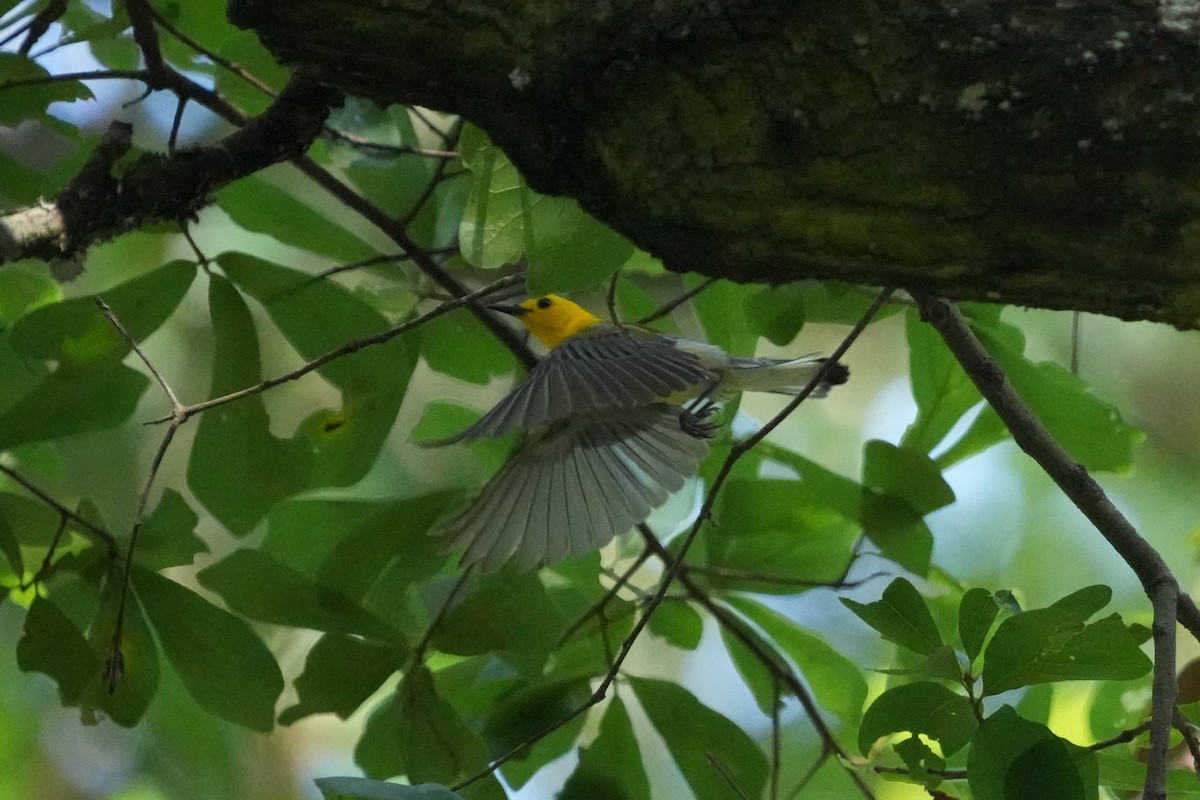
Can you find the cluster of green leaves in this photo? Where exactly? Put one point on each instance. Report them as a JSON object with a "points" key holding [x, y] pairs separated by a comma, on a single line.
{"points": [[459, 670], [1001, 648]]}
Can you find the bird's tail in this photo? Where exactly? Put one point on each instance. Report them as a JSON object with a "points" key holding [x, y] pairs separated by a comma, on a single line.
{"points": [[782, 375]]}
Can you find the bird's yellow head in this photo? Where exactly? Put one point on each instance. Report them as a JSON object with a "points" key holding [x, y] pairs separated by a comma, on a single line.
{"points": [[551, 318]]}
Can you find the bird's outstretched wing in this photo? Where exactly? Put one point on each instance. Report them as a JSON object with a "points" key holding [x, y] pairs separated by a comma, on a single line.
{"points": [[591, 371], [573, 488]]}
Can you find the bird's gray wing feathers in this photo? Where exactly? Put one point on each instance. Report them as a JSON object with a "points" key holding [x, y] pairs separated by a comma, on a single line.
{"points": [[575, 487], [588, 372]]}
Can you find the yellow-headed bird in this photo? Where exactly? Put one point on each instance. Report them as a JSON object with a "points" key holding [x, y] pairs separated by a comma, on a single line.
{"points": [[607, 440]]}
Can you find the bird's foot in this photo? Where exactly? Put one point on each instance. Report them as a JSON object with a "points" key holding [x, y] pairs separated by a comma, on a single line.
{"points": [[694, 421]]}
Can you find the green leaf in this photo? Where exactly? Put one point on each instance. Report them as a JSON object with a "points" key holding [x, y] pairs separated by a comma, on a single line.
{"points": [[1090, 429], [257, 586], [898, 530], [22, 292], [679, 624], [716, 307], [11, 548], [238, 469], [942, 390], [244, 49], [907, 475], [611, 766], [52, 644], [76, 330], [367, 789], [695, 733], [1046, 645], [901, 616], [397, 182], [1013, 758], [22, 103], [837, 682], [780, 529], [941, 663], [459, 346], [891, 524], [1128, 777], [223, 664], [341, 672], [567, 249], [1118, 706], [508, 612], [103, 35], [777, 312], [262, 207], [527, 709], [167, 537], [205, 23], [976, 612], [756, 675], [317, 317], [923, 764], [74, 399], [1082, 604], [921, 707], [983, 432], [418, 734], [139, 674], [397, 535]]}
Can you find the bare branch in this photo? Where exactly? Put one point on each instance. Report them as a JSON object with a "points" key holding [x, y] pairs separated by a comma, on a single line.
{"points": [[1073, 479], [101, 203]]}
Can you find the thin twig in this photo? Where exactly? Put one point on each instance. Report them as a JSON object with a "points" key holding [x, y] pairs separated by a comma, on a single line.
{"points": [[137, 348], [109, 540], [1188, 731], [418, 653], [89, 75], [945, 774], [1073, 479], [599, 605], [115, 665], [783, 580], [677, 302], [733, 624], [385, 258], [776, 737], [611, 299], [716, 764], [391, 149], [435, 180], [114, 668], [211, 55], [353, 346], [44, 569], [1124, 737]]}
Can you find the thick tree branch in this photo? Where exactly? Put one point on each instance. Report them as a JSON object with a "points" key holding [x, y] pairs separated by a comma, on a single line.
{"points": [[107, 199], [1023, 152], [1087, 495]]}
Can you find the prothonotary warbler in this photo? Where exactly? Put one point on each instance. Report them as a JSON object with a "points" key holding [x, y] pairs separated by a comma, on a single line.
{"points": [[607, 437]]}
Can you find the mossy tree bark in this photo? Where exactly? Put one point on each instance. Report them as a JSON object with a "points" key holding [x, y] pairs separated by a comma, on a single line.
{"points": [[1026, 152]]}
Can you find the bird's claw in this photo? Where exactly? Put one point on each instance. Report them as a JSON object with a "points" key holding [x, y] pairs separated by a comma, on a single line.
{"points": [[693, 421]]}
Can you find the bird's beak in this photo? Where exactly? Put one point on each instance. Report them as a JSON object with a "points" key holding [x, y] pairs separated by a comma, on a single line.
{"points": [[514, 311]]}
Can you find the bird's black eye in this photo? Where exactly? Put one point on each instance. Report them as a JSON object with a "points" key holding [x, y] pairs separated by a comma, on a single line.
{"points": [[544, 302]]}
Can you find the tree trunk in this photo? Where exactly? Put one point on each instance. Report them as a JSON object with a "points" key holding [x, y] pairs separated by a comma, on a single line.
{"points": [[1039, 153]]}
